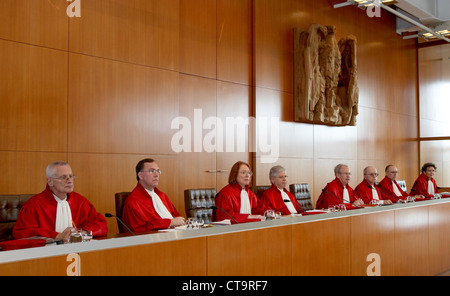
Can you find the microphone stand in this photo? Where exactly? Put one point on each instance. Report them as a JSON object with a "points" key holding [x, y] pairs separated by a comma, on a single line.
{"points": [[215, 208], [108, 215], [326, 191]]}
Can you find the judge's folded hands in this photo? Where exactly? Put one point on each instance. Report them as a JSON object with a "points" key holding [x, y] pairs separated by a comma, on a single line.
{"points": [[177, 221], [66, 234], [260, 217]]}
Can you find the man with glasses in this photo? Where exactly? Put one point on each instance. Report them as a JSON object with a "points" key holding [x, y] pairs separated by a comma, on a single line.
{"points": [[58, 209], [338, 191], [367, 189], [389, 186], [277, 197], [147, 208]]}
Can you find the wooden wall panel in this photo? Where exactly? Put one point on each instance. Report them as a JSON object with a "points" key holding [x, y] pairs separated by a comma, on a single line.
{"points": [[411, 242], [330, 237], [196, 93], [295, 140], [33, 88], [38, 22], [24, 172], [165, 259], [233, 102], [52, 266], [234, 41], [144, 32], [100, 176], [255, 257], [372, 233], [439, 238], [116, 107], [198, 49]]}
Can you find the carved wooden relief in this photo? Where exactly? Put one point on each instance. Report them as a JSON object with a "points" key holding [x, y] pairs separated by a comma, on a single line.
{"points": [[325, 77]]}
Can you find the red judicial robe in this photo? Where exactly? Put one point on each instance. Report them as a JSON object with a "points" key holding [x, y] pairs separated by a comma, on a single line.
{"points": [[421, 186], [37, 217], [139, 214], [272, 198], [364, 192], [337, 188], [387, 190], [229, 199]]}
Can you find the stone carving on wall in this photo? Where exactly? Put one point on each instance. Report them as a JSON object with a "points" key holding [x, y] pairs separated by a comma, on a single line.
{"points": [[325, 77]]}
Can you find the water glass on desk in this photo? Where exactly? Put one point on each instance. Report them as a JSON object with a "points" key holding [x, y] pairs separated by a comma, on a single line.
{"points": [[436, 196], [76, 235]]}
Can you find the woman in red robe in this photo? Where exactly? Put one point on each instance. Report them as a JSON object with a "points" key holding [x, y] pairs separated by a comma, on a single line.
{"points": [[236, 199], [425, 183]]}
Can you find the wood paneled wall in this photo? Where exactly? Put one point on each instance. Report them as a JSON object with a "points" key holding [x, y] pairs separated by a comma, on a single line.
{"points": [[101, 92], [434, 87]]}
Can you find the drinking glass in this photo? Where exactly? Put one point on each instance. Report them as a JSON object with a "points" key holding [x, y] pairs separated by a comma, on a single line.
{"points": [[87, 236], [76, 236]]}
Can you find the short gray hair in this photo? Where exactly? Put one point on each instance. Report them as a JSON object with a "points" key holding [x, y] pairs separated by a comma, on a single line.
{"points": [[51, 168], [337, 169], [274, 171]]}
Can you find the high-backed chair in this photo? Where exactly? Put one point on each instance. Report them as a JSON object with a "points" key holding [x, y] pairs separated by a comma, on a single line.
{"points": [[198, 203], [120, 200], [302, 195], [402, 184], [9, 210], [259, 190]]}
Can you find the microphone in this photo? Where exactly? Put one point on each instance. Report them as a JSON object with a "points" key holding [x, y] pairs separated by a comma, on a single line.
{"points": [[215, 208], [108, 215], [390, 195], [286, 200], [326, 191]]}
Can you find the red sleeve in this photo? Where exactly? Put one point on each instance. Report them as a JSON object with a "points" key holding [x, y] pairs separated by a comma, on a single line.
{"points": [[140, 216], [33, 220], [326, 199], [363, 193], [139, 220], [86, 217], [421, 186], [230, 203]]}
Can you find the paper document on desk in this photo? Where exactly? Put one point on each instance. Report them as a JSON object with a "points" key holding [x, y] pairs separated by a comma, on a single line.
{"points": [[223, 222]]}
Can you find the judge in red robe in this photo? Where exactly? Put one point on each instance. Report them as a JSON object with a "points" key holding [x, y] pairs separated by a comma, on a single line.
{"points": [[367, 189], [147, 208], [237, 200], [277, 197], [57, 209], [338, 191], [389, 187], [425, 183]]}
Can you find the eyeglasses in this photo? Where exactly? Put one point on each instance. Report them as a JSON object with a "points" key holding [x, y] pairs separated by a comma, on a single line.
{"points": [[373, 175], [282, 177], [393, 172], [152, 171], [346, 173], [65, 178], [246, 173]]}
